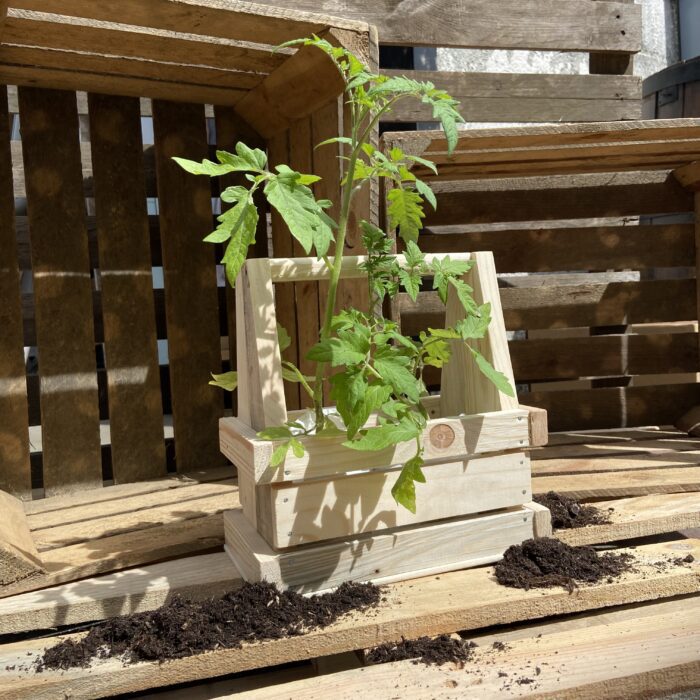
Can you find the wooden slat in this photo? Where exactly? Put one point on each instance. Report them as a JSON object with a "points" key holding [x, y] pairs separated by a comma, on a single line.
{"points": [[194, 347], [215, 18], [616, 406], [558, 197], [128, 314], [596, 443], [433, 605], [15, 476], [652, 655], [503, 97], [311, 511], [617, 355], [571, 306], [283, 246], [643, 516], [73, 34], [18, 553], [62, 290], [545, 249], [653, 458], [551, 25]]}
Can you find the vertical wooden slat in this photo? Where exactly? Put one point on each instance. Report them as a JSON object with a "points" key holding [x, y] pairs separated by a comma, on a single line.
{"points": [[305, 293], [62, 290], [697, 250], [128, 314], [282, 247], [611, 63], [191, 299], [14, 432]]}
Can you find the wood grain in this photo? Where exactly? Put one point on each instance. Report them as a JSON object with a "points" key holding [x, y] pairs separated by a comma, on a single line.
{"points": [[15, 474], [19, 557], [128, 313], [194, 346], [62, 290]]}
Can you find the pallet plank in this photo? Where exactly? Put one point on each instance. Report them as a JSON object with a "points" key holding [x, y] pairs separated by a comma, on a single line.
{"points": [[128, 312], [62, 290], [15, 475], [194, 346], [433, 605]]}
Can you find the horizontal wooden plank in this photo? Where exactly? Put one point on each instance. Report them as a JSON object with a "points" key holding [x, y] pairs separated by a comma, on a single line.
{"points": [[387, 556], [596, 445], [73, 34], [443, 438], [653, 458], [652, 654], [558, 197], [433, 605], [615, 406], [502, 97], [317, 510], [546, 249], [236, 21], [620, 484], [643, 516], [522, 24], [570, 306]]}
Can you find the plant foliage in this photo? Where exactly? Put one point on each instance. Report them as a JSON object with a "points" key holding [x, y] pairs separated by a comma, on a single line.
{"points": [[377, 369]]}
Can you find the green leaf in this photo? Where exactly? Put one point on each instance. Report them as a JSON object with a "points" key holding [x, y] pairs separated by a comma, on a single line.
{"points": [[449, 333], [275, 433], [427, 163], [297, 448], [283, 337], [487, 369], [393, 369], [438, 353], [411, 279], [464, 294], [385, 435], [279, 454], [474, 326], [220, 235], [253, 157], [336, 139], [349, 348], [444, 110], [405, 212], [206, 167], [424, 189], [227, 381], [404, 490], [242, 222], [348, 390], [413, 254]]}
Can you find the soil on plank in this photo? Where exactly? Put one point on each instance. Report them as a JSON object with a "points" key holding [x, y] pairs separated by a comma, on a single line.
{"points": [[430, 651], [568, 513], [546, 562], [255, 612]]}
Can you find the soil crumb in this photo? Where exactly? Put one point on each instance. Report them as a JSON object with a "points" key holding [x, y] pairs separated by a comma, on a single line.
{"points": [[546, 562], [183, 627], [568, 513], [427, 650]]}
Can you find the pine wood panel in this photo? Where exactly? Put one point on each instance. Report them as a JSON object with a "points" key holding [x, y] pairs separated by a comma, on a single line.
{"points": [[551, 25], [128, 313], [14, 436], [545, 249], [194, 346], [18, 554], [62, 290]]}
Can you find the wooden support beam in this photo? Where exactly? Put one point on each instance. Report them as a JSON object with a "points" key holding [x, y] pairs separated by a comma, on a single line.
{"points": [[689, 175], [537, 426], [690, 422], [19, 558]]}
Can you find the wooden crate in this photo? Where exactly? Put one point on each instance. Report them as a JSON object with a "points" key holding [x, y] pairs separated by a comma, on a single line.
{"points": [[89, 209], [476, 460], [592, 227]]}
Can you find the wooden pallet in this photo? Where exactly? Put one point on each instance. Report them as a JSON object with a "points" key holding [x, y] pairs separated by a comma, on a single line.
{"points": [[650, 604]]}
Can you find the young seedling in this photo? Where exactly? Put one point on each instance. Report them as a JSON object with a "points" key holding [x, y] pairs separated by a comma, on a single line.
{"points": [[377, 369]]}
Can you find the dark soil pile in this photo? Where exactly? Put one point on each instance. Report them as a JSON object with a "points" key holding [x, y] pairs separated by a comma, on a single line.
{"points": [[545, 563], [183, 627], [568, 513], [427, 650]]}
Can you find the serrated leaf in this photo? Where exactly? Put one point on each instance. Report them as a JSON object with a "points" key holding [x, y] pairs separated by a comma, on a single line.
{"points": [[297, 448], [283, 337], [227, 381], [279, 432], [349, 348], [413, 254], [474, 326], [411, 280], [336, 139], [385, 435], [405, 212], [444, 110], [254, 157], [279, 454], [234, 194], [427, 163], [404, 490], [393, 369], [206, 167], [220, 235], [242, 220], [424, 189], [487, 369], [438, 353]]}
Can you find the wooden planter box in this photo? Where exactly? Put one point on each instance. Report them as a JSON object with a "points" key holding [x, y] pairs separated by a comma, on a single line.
{"points": [[329, 516]]}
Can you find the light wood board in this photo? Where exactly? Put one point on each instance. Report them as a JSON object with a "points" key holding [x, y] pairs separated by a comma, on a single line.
{"points": [[432, 605]]}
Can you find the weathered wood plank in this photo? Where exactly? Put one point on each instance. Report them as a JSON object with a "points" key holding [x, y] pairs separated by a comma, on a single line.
{"points": [[613, 407], [653, 458], [503, 97], [128, 313], [546, 249], [551, 25], [62, 290], [19, 558], [194, 346], [434, 605], [15, 475]]}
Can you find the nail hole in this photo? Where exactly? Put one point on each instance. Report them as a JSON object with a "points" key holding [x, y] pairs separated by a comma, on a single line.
{"points": [[623, 32]]}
